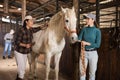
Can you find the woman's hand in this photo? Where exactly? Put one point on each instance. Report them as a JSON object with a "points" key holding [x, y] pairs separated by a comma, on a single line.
{"points": [[85, 43]]}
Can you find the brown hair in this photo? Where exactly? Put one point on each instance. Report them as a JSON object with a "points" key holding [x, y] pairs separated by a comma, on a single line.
{"points": [[24, 23], [96, 24]]}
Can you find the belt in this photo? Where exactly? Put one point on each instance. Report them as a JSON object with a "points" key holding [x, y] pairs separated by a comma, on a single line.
{"points": [[8, 39], [91, 50]]}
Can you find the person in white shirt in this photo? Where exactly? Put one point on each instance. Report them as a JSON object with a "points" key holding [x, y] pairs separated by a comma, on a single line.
{"points": [[8, 44]]}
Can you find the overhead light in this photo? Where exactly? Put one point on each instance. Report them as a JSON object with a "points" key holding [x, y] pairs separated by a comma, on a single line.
{"points": [[43, 18], [80, 9], [19, 9], [1, 5], [7, 16], [94, 5], [47, 17], [5, 19], [106, 1]]}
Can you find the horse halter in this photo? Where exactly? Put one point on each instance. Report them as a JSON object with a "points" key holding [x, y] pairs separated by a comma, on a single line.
{"points": [[69, 31]]}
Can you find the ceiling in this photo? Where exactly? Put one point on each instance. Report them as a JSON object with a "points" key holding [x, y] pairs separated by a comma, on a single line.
{"points": [[37, 8]]}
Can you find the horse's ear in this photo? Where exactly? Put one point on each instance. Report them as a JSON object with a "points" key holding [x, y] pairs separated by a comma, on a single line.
{"points": [[73, 8], [63, 10]]}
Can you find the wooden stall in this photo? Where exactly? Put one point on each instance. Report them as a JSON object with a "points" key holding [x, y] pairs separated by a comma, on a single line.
{"points": [[108, 64]]}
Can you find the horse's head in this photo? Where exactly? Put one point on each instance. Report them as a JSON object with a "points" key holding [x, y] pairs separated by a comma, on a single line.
{"points": [[70, 23]]}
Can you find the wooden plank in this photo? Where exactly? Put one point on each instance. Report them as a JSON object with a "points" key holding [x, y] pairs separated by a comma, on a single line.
{"points": [[23, 9], [11, 10], [51, 1], [5, 6], [76, 52]]}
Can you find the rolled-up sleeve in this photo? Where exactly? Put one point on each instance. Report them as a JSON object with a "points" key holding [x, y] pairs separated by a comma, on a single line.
{"points": [[34, 30]]}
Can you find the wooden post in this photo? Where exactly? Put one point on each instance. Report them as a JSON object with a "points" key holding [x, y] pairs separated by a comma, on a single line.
{"points": [[5, 6], [57, 6], [17, 25], [23, 9], [76, 46], [1, 38], [76, 4], [10, 22], [76, 55], [44, 20], [117, 10], [98, 12]]}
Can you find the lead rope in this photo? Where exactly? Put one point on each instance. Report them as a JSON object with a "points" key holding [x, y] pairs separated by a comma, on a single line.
{"points": [[82, 59]]}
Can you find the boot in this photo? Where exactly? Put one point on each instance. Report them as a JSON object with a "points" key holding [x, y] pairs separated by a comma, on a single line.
{"points": [[4, 57], [17, 78], [9, 57]]}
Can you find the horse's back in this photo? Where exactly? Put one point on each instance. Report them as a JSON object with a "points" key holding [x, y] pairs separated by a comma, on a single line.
{"points": [[39, 38], [45, 41]]}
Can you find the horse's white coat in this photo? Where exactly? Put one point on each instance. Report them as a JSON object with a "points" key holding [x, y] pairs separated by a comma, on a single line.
{"points": [[51, 41]]}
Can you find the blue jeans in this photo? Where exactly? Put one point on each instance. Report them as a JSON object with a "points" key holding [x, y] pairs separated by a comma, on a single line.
{"points": [[7, 49], [91, 57]]}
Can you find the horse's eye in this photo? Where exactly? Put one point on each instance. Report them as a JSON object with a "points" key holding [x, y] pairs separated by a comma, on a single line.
{"points": [[66, 21]]}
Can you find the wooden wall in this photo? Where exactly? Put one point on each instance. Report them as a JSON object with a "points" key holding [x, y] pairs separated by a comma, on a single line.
{"points": [[5, 28], [108, 64]]}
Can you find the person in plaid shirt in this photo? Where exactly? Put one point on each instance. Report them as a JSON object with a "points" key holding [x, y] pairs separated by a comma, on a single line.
{"points": [[23, 45]]}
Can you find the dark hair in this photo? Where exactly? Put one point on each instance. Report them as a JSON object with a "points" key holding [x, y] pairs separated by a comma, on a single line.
{"points": [[24, 23], [95, 23]]}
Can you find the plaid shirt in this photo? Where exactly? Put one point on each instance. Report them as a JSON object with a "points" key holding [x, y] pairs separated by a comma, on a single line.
{"points": [[25, 36]]}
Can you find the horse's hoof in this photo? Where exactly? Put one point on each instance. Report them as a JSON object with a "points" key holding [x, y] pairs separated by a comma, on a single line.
{"points": [[35, 77], [30, 74], [30, 78]]}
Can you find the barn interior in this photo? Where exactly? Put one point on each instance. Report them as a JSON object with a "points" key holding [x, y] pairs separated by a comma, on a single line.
{"points": [[12, 13]]}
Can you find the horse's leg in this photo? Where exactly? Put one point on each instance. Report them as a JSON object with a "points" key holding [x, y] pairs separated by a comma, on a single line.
{"points": [[30, 65], [47, 62], [35, 68], [57, 61]]}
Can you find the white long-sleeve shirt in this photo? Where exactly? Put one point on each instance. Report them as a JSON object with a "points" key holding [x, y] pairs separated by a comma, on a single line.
{"points": [[8, 37]]}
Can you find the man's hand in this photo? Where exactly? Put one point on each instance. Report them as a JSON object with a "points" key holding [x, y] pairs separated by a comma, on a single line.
{"points": [[44, 26], [33, 43]]}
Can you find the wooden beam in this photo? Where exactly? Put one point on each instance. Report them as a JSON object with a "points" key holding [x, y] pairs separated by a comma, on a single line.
{"points": [[102, 6], [47, 14], [23, 9], [11, 10], [50, 1], [6, 6], [92, 1]]}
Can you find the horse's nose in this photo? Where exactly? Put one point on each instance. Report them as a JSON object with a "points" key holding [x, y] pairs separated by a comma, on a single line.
{"points": [[72, 38]]}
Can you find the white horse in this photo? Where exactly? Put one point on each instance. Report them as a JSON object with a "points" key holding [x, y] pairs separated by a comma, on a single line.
{"points": [[51, 41]]}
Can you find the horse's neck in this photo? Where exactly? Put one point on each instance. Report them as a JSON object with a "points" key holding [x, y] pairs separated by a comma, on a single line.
{"points": [[57, 26]]}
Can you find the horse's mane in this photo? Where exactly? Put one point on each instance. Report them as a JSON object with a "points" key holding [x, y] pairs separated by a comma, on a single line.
{"points": [[56, 19], [56, 24]]}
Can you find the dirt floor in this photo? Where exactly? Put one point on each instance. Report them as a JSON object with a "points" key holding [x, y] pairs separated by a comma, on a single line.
{"points": [[8, 70]]}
